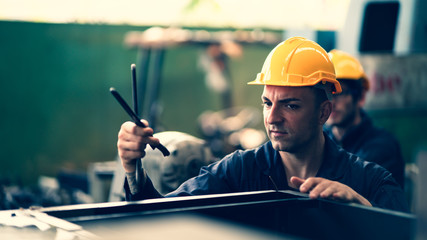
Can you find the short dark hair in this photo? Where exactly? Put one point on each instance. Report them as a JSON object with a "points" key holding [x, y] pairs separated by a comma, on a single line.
{"points": [[319, 95], [355, 87]]}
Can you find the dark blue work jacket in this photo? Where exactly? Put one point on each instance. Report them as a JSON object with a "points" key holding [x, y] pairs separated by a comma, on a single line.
{"points": [[373, 144], [256, 169]]}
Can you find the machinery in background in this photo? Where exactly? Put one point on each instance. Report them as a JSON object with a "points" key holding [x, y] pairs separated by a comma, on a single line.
{"points": [[231, 129]]}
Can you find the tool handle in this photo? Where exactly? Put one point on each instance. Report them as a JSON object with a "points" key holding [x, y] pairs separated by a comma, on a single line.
{"points": [[135, 119]]}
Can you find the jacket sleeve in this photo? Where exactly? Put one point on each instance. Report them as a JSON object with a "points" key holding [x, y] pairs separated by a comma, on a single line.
{"points": [[390, 196], [385, 151], [147, 192], [218, 177], [138, 186], [212, 179]]}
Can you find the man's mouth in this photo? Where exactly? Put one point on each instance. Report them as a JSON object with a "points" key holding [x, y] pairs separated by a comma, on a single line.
{"points": [[277, 133]]}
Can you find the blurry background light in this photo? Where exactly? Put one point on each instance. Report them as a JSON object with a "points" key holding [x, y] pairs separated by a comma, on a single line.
{"points": [[277, 14]]}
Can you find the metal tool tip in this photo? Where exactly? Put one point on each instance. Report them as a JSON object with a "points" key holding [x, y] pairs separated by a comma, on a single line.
{"points": [[112, 89]]}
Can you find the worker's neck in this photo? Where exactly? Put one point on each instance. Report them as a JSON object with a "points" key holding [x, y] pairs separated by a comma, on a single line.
{"points": [[305, 163], [340, 130]]}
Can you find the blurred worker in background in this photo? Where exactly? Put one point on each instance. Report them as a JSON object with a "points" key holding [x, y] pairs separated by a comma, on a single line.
{"points": [[349, 125], [298, 80]]}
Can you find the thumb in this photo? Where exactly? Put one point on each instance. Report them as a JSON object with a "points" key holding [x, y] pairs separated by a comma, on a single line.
{"points": [[296, 181]]}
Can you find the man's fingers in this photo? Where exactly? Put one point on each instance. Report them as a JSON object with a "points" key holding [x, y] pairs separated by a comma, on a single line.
{"points": [[317, 187], [331, 190], [309, 184], [323, 188], [131, 146], [131, 133], [132, 141], [296, 181], [145, 122], [131, 128], [129, 156], [342, 196], [328, 193]]}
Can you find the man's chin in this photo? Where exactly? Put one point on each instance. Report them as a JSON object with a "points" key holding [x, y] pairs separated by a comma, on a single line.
{"points": [[279, 146]]}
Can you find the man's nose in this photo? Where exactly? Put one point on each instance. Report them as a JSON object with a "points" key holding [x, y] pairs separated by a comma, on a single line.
{"points": [[273, 115]]}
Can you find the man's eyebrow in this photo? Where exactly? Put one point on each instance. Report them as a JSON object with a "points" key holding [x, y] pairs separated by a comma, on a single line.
{"points": [[265, 98], [285, 100]]}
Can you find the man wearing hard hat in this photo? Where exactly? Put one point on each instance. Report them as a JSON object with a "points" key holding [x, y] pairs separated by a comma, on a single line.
{"points": [[298, 79], [349, 125]]}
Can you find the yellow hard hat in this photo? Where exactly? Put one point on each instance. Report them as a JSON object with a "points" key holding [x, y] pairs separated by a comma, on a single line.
{"points": [[348, 67], [297, 62]]}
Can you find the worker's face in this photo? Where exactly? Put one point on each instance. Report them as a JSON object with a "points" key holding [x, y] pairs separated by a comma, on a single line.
{"points": [[291, 117], [344, 109]]}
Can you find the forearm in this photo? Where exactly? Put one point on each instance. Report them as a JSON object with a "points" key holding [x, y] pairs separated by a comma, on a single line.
{"points": [[138, 186]]}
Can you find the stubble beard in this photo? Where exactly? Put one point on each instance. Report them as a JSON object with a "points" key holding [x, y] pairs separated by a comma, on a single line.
{"points": [[347, 120], [284, 143], [294, 142]]}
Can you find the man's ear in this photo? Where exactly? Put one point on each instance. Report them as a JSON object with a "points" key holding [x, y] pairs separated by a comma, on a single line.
{"points": [[325, 111]]}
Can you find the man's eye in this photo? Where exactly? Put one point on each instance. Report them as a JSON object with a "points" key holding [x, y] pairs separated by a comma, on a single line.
{"points": [[266, 104], [292, 106]]}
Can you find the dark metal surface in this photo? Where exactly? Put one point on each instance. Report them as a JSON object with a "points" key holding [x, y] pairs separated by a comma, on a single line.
{"points": [[283, 213]]}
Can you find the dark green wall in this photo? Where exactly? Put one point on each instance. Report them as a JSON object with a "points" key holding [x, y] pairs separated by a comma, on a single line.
{"points": [[55, 106], [408, 125]]}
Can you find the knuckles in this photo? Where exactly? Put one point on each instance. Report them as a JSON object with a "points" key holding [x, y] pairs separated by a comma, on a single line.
{"points": [[140, 145]]}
